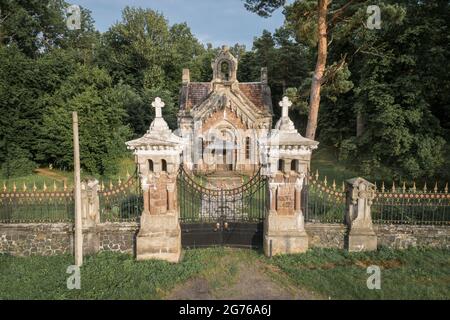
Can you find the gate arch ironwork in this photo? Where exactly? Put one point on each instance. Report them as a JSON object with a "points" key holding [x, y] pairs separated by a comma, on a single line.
{"points": [[218, 216]]}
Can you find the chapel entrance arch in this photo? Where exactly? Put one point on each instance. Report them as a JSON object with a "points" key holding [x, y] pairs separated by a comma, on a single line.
{"points": [[222, 148]]}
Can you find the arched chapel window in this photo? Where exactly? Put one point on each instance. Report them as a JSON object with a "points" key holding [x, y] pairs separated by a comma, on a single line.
{"points": [[280, 165], [201, 147], [163, 165], [150, 165], [294, 165], [247, 148]]}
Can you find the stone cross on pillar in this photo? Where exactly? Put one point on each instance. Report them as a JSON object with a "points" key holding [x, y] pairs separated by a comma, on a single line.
{"points": [[158, 104], [361, 236], [285, 104]]}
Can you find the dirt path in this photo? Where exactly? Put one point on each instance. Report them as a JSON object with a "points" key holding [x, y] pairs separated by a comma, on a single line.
{"points": [[251, 280], [50, 174]]}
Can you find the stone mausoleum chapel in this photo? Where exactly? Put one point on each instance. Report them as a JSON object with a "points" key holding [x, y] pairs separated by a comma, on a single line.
{"points": [[226, 177], [224, 119]]}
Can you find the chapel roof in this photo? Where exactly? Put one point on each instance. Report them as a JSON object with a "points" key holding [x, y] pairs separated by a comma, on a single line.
{"points": [[224, 67], [194, 93]]}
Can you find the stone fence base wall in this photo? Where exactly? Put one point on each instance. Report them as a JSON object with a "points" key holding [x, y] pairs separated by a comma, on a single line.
{"points": [[36, 239], [405, 236], [118, 237], [57, 238], [326, 235]]}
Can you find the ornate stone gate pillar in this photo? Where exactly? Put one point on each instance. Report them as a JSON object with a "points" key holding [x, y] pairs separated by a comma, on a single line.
{"points": [[361, 236], [288, 159], [158, 155]]}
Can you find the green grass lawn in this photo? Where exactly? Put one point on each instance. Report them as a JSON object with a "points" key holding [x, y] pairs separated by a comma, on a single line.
{"points": [[335, 274], [326, 163], [408, 274]]}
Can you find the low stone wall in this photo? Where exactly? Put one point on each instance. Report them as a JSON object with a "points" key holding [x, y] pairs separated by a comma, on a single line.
{"points": [[118, 237], [326, 235], [405, 236], [57, 238], [36, 239]]}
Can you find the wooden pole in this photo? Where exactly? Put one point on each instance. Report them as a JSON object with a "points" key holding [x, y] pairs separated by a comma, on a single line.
{"points": [[78, 223]]}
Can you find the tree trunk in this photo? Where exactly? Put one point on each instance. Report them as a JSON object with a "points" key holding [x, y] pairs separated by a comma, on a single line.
{"points": [[322, 51]]}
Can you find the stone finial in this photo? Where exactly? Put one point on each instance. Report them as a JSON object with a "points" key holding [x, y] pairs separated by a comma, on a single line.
{"points": [[158, 104], [264, 76], [285, 123], [285, 104], [186, 76]]}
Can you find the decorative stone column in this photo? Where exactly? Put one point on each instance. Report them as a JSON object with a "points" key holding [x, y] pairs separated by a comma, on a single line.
{"points": [[158, 156], [90, 203], [90, 215], [288, 157], [361, 236]]}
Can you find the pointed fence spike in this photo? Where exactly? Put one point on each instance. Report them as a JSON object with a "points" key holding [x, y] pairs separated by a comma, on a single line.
{"points": [[110, 184], [414, 187], [120, 182], [128, 174], [334, 184], [404, 187], [4, 187], [14, 186], [425, 187], [376, 187], [44, 187], [34, 186], [317, 175], [393, 186], [343, 186], [382, 187], [436, 187], [446, 188], [102, 186], [325, 182], [65, 185], [24, 187]]}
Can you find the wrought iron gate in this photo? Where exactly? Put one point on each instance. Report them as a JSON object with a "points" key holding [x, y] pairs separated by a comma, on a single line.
{"points": [[222, 217]]}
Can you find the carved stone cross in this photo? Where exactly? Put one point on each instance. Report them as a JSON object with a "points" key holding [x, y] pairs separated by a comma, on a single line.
{"points": [[285, 104], [158, 104]]}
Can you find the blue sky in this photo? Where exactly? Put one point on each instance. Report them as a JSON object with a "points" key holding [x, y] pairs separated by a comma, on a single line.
{"points": [[216, 21]]}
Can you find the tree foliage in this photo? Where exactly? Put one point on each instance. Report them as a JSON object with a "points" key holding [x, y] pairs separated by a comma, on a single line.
{"points": [[391, 83], [385, 98]]}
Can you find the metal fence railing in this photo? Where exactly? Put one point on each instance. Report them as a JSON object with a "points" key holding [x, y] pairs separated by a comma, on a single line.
{"points": [[121, 203], [323, 203], [27, 207], [418, 208]]}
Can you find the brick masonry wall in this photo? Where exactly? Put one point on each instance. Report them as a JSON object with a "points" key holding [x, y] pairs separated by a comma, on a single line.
{"points": [[54, 239]]}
